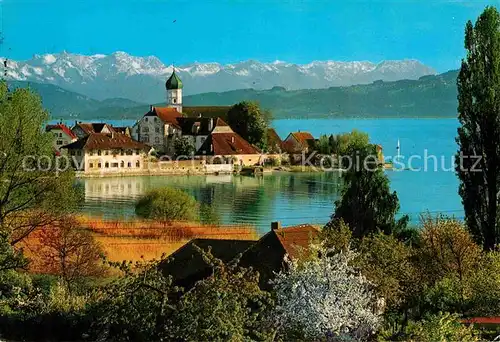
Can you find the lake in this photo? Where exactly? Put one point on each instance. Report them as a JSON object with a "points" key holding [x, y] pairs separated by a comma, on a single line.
{"points": [[295, 198]]}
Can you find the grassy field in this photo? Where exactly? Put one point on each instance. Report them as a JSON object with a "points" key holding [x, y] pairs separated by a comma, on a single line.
{"points": [[143, 240]]}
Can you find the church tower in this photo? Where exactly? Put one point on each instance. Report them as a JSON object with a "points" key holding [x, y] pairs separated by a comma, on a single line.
{"points": [[174, 92]]}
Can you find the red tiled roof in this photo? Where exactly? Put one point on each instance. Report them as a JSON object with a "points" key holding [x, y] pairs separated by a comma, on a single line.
{"points": [[63, 128], [95, 141], [167, 115], [481, 320], [226, 144], [296, 239], [303, 137]]}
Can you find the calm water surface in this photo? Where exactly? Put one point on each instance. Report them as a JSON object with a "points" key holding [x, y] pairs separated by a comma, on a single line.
{"points": [[295, 198]]}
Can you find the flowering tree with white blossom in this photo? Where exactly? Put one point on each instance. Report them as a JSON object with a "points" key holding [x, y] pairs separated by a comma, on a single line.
{"points": [[325, 298]]}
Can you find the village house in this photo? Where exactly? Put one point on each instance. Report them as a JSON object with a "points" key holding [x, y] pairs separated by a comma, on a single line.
{"points": [[62, 135], [274, 142], [82, 129], [223, 145], [158, 128], [299, 142], [107, 153], [267, 255]]}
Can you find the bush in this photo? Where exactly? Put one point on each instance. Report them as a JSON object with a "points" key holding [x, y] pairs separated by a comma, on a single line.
{"points": [[167, 204], [440, 327]]}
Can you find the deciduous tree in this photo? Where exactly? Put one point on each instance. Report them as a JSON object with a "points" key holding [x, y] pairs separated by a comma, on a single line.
{"points": [[325, 297], [33, 190], [184, 147], [478, 159], [167, 204], [250, 121], [367, 204], [67, 250]]}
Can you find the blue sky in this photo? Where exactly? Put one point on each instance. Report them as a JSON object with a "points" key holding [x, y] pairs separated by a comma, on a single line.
{"points": [[231, 31]]}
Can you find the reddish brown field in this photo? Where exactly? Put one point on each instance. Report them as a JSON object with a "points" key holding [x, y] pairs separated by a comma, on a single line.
{"points": [[140, 239]]}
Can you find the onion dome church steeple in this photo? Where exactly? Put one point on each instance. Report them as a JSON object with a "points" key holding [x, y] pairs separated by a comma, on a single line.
{"points": [[174, 92], [174, 82]]}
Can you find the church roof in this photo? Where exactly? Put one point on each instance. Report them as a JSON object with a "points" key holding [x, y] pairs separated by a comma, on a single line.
{"points": [[174, 82]]}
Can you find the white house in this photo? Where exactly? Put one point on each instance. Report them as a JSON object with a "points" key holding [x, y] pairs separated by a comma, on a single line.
{"points": [[107, 153], [62, 135]]}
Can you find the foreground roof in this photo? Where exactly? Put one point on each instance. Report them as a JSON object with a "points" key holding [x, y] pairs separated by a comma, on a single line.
{"points": [[63, 128], [95, 141], [267, 256], [187, 266]]}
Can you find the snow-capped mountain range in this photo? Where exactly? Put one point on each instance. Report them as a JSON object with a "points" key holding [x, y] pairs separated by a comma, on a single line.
{"points": [[120, 75]]}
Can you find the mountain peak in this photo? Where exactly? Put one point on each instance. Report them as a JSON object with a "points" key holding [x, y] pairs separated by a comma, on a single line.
{"points": [[140, 78]]}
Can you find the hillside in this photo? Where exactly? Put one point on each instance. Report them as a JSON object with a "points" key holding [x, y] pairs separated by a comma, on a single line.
{"points": [[429, 96], [65, 104]]}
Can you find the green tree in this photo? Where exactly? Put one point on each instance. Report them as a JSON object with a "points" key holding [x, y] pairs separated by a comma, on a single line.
{"points": [[184, 147], [366, 204], [323, 145], [34, 189], [355, 140], [250, 121], [227, 306], [479, 133], [136, 306], [167, 204]]}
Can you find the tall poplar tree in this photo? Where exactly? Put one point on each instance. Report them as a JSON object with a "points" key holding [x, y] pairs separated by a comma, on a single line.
{"points": [[478, 160]]}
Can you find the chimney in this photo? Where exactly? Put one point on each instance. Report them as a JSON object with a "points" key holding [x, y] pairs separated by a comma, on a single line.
{"points": [[199, 115], [211, 124], [211, 147], [275, 225], [151, 108], [232, 139]]}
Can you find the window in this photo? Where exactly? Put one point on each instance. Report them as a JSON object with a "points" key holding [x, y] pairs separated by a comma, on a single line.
{"points": [[99, 165], [157, 140], [175, 100], [99, 152], [114, 164], [146, 119], [59, 142], [157, 129], [106, 152], [155, 119], [91, 165], [55, 135], [138, 164], [106, 165], [60, 135], [129, 164], [129, 152], [78, 153], [122, 152], [145, 129], [72, 152], [122, 164], [91, 152]]}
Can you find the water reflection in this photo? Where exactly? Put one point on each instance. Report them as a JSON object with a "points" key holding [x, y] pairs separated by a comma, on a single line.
{"points": [[292, 198]]}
